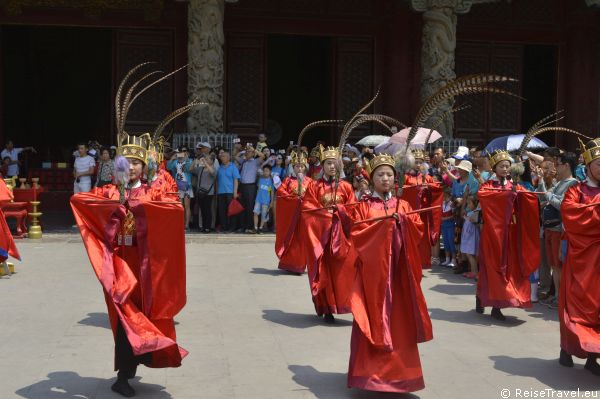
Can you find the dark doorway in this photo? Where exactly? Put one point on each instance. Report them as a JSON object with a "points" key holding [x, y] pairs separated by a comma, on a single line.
{"points": [[539, 86], [299, 85], [56, 88]]}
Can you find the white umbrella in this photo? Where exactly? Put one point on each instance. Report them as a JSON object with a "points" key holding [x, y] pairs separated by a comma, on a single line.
{"points": [[373, 140], [398, 140]]}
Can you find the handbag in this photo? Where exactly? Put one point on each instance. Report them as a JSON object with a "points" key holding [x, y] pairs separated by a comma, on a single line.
{"points": [[182, 185], [203, 192], [235, 208]]}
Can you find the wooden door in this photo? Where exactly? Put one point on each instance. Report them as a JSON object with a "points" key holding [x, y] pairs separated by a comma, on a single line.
{"points": [[489, 115], [354, 78], [245, 84], [132, 47]]}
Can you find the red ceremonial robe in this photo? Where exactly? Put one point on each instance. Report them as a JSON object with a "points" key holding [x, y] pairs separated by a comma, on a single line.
{"points": [[390, 313], [289, 245], [509, 245], [329, 254], [579, 298], [163, 183], [419, 196], [7, 244], [144, 283]]}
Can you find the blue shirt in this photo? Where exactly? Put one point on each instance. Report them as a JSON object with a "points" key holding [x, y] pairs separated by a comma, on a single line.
{"points": [[249, 170], [458, 188], [278, 171], [265, 188], [225, 178]]}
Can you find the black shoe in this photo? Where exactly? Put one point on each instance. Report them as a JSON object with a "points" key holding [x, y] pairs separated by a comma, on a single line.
{"points": [[259, 230], [497, 314], [592, 366], [478, 308], [329, 318], [123, 388], [319, 314], [565, 359]]}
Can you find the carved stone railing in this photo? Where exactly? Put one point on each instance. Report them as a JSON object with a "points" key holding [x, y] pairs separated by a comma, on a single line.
{"points": [[190, 140]]}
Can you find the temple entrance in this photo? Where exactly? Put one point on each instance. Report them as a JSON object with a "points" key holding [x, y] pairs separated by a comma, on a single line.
{"points": [[299, 87], [56, 89]]}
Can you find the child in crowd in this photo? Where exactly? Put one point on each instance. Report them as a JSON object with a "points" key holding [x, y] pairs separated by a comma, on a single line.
{"points": [[448, 228], [264, 199], [469, 243]]}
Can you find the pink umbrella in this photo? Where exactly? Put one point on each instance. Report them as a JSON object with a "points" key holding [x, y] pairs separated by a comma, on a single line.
{"points": [[398, 140]]}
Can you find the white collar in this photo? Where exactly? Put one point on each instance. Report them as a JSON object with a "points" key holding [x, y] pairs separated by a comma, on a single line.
{"points": [[137, 184], [591, 183], [388, 196]]}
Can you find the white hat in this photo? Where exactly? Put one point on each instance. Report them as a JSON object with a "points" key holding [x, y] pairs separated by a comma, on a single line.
{"points": [[465, 165], [203, 144], [461, 153]]}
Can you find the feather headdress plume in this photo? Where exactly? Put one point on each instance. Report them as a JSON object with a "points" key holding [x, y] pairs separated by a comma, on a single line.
{"points": [[548, 120], [173, 115], [524, 143], [312, 125], [346, 131], [471, 84]]}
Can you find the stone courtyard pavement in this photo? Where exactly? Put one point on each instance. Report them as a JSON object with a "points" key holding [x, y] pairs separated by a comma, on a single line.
{"points": [[252, 333]]}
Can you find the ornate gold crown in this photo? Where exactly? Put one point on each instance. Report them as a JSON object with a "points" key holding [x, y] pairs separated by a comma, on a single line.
{"points": [[380, 160], [136, 147], [591, 150], [329, 152], [299, 157], [157, 148], [316, 152], [418, 154], [499, 156]]}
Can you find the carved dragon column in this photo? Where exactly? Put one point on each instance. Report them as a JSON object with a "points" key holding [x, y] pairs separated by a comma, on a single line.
{"points": [[437, 52], [206, 64]]}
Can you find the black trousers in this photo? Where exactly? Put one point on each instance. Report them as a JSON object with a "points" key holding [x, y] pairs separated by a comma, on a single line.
{"points": [[248, 193], [223, 201], [125, 361], [205, 210]]}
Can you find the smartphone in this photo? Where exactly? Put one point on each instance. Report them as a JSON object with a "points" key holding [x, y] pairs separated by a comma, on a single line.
{"points": [[292, 142], [236, 140]]}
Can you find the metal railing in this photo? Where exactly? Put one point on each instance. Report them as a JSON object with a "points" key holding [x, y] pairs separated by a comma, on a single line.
{"points": [[450, 145], [190, 140]]}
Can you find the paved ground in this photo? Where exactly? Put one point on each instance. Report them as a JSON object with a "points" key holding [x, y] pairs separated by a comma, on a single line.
{"points": [[251, 333]]}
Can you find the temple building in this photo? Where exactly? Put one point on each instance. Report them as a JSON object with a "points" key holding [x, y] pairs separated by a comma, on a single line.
{"points": [[274, 65]]}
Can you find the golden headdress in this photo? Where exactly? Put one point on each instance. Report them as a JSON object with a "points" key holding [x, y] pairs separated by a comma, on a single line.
{"points": [[136, 147], [499, 156], [299, 157], [418, 154], [380, 160], [329, 152], [591, 150]]}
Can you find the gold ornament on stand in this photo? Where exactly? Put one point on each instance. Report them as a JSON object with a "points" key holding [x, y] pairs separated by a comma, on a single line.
{"points": [[35, 230]]}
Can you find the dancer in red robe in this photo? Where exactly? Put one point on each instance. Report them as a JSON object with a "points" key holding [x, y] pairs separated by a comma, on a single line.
{"points": [[7, 243], [509, 244], [330, 257], [289, 244], [135, 242], [390, 313], [579, 298], [421, 191]]}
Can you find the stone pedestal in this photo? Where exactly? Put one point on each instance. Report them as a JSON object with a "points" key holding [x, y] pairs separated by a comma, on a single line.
{"points": [[206, 64]]}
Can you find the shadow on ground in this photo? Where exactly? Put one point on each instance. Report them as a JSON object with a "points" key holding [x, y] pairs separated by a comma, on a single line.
{"points": [[96, 320], [548, 372], [334, 385], [68, 384], [267, 272], [471, 317], [300, 320], [454, 289]]}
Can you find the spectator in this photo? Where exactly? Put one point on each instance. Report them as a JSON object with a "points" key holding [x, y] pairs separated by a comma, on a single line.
{"points": [[228, 177], [5, 165], [206, 169], [448, 223], [264, 199], [83, 170], [106, 168], [262, 142], [437, 158], [13, 153], [180, 167], [113, 152], [279, 169], [551, 219], [469, 242], [249, 167]]}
